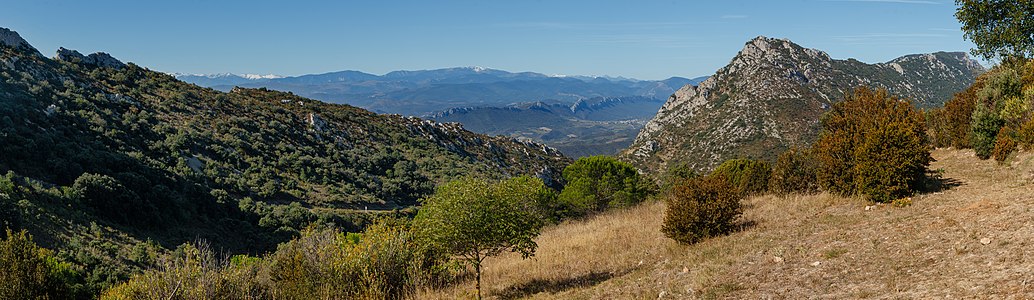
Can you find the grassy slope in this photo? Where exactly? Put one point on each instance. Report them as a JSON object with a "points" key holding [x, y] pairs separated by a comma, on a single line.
{"points": [[800, 246]]}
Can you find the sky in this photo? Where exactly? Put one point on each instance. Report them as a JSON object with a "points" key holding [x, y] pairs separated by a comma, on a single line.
{"points": [[642, 39]]}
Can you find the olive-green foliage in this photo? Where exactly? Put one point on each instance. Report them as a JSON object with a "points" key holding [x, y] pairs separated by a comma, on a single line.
{"points": [[676, 173], [30, 272], [700, 208], [1004, 145], [595, 183], [748, 176], [985, 127], [475, 218], [950, 125], [872, 144], [195, 272], [999, 28], [794, 172], [383, 262]]}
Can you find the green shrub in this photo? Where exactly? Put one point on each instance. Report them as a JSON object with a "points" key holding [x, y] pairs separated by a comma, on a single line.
{"points": [[596, 183], [793, 172], [985, 127], [747, 176], [30, 272], [676, 173], [890, 162], [700, 208], [872, 144]]}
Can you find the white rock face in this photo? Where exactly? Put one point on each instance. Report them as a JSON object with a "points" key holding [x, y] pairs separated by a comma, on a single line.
{"points": [[99, 59], [12, 39], [770, 97]]}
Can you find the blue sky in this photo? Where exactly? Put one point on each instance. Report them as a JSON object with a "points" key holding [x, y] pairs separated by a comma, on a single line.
{"points": [[641, 39]]}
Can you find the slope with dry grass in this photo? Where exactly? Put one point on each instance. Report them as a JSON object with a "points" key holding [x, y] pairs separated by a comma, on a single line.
{"points": [[968, 238]]}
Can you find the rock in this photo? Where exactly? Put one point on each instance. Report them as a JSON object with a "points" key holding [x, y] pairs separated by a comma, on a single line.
{"points": [[11, 38], [870, 207], [50, 110], [662, 294], [317, 123], [985, 241], [772, 95], [99, 59], [777, 259], [685, 270], [816, 264]]}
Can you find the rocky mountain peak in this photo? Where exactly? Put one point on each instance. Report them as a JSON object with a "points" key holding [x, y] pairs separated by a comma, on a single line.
{"points": [[12, 39], [99, 59], [770, 97]]}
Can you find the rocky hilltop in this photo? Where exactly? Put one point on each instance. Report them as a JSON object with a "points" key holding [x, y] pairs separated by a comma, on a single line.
{"points": [[770, 97]]}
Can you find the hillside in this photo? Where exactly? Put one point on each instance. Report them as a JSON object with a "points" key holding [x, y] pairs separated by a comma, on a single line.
{"points": [[597, 126], [966, 238], [101, 156], [770, 97]]}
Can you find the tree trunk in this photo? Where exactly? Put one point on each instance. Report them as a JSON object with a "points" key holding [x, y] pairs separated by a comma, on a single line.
{"points": [[477, 270]]}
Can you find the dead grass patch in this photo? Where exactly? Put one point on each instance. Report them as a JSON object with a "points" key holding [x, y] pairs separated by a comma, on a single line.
{"points": [[813, 246]]}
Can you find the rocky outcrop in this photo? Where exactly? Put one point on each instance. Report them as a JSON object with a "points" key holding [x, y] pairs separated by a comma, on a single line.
{"points": [[770, 97], [99, 59], [12, 39]]}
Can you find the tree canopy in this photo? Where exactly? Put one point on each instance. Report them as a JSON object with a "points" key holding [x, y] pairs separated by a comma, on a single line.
{"points": [[999, 28], [477, 218]]}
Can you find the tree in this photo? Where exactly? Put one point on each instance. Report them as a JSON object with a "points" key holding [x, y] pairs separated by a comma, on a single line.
{"points": [[475, 219], [793, 172], [595, 183], [999, 28]]}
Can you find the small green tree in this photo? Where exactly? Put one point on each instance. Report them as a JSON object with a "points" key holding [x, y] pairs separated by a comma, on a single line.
{"points": [[475, 219], [596, 183], [985, 127], [999, 28]]}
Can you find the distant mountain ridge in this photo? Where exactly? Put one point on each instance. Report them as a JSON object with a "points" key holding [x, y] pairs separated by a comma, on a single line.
{"points": [[424, 92], [587, 127], [771, 95]]}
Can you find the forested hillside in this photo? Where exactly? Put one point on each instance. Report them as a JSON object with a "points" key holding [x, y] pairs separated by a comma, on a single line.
{"points": [[112, 163]]}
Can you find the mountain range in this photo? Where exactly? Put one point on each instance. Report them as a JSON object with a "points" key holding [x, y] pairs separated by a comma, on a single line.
{"points": [[425, 92], [770, 97], [587, 127]]}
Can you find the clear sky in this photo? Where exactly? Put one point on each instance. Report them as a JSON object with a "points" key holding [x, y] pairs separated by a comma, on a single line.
{"points": [[641, 39]]}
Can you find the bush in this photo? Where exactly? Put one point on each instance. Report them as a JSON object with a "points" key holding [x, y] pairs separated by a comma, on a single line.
{"points": [[596, 183], [30, 272], [700, 208], [1025, 135], [1004, 145], [872, 144], [793, 172], [950, 125], [985, 127], [748, 176], [891, 162], [194, 272]]}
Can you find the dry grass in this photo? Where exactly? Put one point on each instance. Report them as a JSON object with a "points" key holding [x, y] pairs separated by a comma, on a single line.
{"points": [[817, 246]]}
